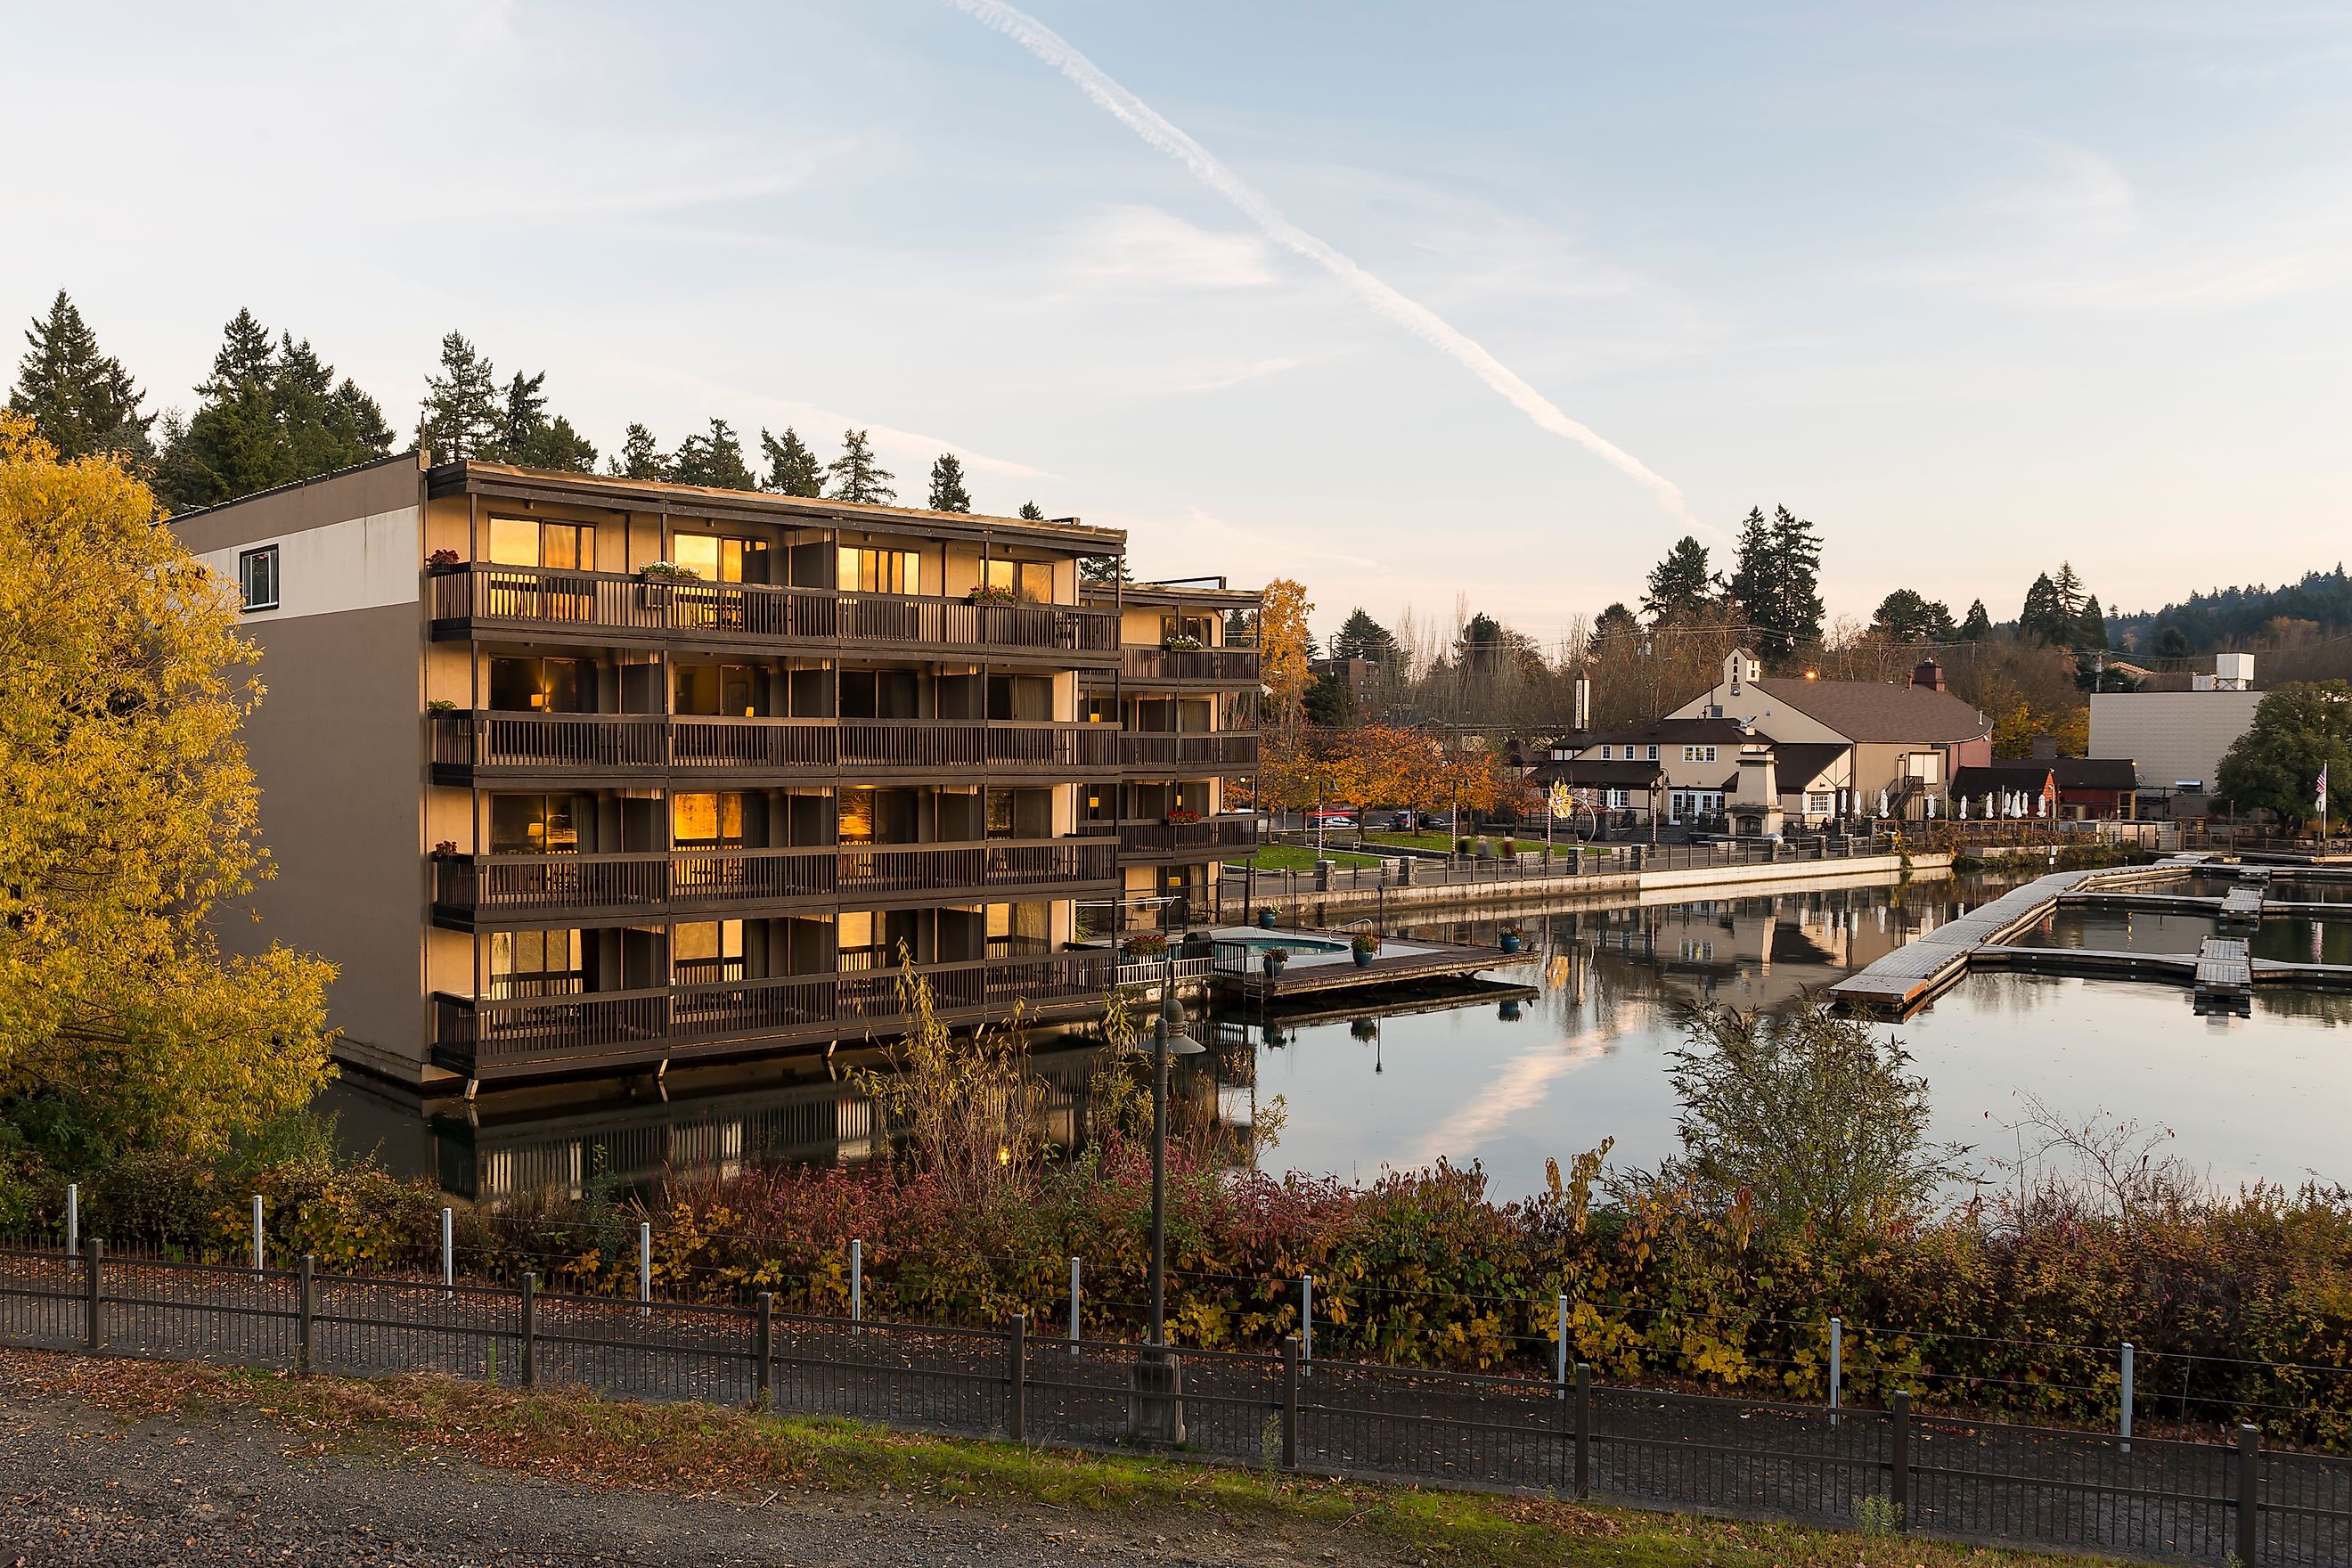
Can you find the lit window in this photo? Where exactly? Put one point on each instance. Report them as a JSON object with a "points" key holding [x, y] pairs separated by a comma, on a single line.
{"points": [[257, 577], [881, 570], [1698, 753]]}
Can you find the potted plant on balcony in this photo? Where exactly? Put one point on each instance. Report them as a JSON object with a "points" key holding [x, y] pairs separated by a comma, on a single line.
{"points": [[1180, 814], [1366, 947], [444, 561], [1145, 945], [1278, 959], [1181, 642], [994, 594], [440, 705], [1265, 919], [1515, 937], [446, 849]]}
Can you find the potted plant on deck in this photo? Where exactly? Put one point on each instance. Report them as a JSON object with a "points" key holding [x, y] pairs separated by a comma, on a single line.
{"points": [[1278, 959], [1181, 642], [1366, 947], [993, 594], [1266, 919], [1146, 946], [1180, 814], [442, 561], [1515, 937]]}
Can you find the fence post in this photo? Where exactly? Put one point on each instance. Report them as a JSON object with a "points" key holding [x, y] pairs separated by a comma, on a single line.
{"points": [[73, 1218], [2250, 1481], [92, 1299], [1559, 1354], [1016, 1406], [257, 1254], [645, 1267], [305, 1314], [1290, 1402], [2127, 1395], [1584, 1429], [1837, 1364], [1306, 1323], [763, 1354], [856, 1280], [529, 1368], [1074, 1305], [448, 1253], [1899, 1491]]}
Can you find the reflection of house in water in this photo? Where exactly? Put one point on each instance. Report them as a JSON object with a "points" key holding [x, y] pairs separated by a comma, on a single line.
{"points": [[1746, 952]]}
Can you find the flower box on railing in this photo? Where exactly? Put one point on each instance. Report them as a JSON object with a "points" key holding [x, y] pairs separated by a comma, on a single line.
{"points": [[441, 562], [991, 594], [1151, 944], [667, 572], [1183, 644], [1181, 816]]}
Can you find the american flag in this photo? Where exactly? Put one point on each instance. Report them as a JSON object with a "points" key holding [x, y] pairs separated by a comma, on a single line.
{"points": [[2322, 787]]}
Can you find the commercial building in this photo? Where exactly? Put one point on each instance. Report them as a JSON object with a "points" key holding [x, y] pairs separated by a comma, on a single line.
{"points": [[573, 774], [2177, 739]]}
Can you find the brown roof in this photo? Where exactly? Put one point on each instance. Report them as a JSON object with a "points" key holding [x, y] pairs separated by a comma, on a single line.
{"points": [[1880, 711], [1798, 764]]}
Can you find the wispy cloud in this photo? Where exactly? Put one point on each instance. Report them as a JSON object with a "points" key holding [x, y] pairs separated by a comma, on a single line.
{"points": [[1144, 247], [1159, 132], [1235, 375]]}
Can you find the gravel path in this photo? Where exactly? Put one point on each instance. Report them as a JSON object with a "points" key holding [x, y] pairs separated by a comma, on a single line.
{"points": [[81, 1486]]}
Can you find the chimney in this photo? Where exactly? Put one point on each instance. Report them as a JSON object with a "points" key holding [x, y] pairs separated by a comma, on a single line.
{"points": [[1929, 674], [2045, 748]]}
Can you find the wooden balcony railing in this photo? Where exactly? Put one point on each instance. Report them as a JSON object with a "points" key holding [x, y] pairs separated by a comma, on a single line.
{"points": [[624, 743], [479, 597], [1216, 749], [689, 881], [1210, 666], [506, 1039], [1215, 835]]}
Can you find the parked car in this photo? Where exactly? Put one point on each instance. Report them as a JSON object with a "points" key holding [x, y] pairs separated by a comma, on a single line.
{"points": [[1331, 817]]}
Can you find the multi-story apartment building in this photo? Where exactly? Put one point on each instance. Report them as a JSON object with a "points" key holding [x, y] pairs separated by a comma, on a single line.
{"points": [[572, 773], [1184, 695]]}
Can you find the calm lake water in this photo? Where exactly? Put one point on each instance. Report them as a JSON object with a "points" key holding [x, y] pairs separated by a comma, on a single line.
{"points": [[1555, 1053]]}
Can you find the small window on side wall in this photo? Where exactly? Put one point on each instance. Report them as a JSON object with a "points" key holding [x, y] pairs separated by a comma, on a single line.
{"points": [[257, 577]]}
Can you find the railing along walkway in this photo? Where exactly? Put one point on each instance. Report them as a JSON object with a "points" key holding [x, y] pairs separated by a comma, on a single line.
{"points": [[1941, 1476]]}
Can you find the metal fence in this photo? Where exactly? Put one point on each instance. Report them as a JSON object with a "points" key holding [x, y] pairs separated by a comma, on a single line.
{"points": [[1935, 1474]]}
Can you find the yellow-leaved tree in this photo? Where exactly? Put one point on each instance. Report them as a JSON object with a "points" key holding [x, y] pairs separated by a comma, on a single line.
{"points": [[1282, 637], [129, 817]]}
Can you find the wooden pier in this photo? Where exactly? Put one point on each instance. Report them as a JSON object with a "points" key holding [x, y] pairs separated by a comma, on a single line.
{"points": [[2243, 905], [2224, 968], [1421, 961]]}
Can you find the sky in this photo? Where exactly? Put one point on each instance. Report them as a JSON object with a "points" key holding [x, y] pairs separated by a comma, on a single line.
{"points": [[1479, 304]]}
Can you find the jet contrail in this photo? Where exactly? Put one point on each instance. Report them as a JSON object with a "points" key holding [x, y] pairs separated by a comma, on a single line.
{"points": [[1140, 118]]}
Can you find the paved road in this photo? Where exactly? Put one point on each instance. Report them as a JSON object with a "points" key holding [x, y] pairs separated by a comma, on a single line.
{"points": [[79, 1486]]}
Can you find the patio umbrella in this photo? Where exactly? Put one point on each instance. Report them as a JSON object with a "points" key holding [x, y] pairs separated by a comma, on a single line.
{"points": [[1882, 802]]}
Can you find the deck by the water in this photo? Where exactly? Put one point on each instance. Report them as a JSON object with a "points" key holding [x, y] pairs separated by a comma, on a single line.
{"points": [[1241, 972], [2221, 971]]}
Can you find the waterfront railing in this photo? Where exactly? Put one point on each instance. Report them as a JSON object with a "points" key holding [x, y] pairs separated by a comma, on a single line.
{"points": [[1888, 1470]]}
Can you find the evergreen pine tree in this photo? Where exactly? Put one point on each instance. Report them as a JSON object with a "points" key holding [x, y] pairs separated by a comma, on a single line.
{"points": [[2045, 617], [1797, 572], [1030, 512], [1616, 624], [640, 458], [80, 400], [1361, 636], [2090, 625], [1103, 569], [1752, 586], [267, 416], [1680, 586], [714, 458], [857, 476], [1978, 626], [792, 469], [947, 493], [462, 415]]}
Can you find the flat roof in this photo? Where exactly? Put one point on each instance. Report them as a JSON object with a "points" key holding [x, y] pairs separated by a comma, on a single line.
{"points": [[470, 476], [1170, 594]]}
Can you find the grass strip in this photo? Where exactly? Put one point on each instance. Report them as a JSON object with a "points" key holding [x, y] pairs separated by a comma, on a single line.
{"points": [[574, 1436]]}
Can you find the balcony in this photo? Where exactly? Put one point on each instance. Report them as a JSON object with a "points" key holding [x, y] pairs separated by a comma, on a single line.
{"points": [[1214, 667], [1214, 750], [470, 746], [536, 1037], [487, 889], [479, 600], [1214, 837]]}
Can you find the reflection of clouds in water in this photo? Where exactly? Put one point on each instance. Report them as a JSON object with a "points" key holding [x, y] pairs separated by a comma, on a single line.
{"points": [[1523, 1084]]}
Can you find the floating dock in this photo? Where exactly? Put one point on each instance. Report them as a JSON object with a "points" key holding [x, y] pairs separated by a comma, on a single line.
{"points": [[1239, 966]]}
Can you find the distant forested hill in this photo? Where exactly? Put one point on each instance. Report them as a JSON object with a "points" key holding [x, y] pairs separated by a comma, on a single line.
{"points": [[2229, 617]]}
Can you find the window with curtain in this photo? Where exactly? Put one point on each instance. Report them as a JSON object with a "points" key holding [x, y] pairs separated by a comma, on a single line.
{"points": [[535, 964], [718, 558], [533, 541], [537, 824], [700, 820], [868, 571], [1031, 582], [705, 951]]}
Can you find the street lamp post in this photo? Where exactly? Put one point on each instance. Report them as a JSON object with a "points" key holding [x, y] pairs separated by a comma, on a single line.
{"points": [[1156, 1406]]}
